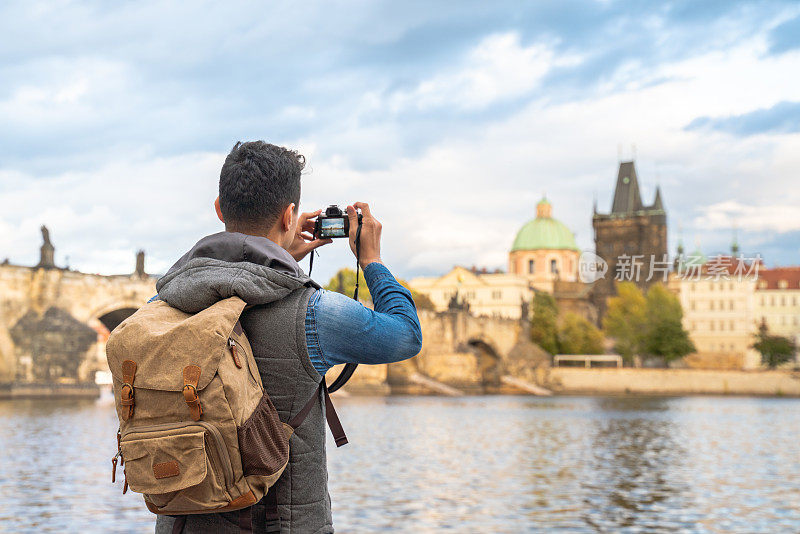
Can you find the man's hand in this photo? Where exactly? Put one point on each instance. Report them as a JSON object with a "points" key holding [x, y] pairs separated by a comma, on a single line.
{"points": [[304, 241], [370, 234]]}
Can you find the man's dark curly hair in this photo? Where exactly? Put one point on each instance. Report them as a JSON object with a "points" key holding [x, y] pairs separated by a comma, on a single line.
{"points": [[258, 180]]}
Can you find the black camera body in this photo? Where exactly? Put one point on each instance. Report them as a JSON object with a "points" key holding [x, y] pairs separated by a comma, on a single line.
{"points": [[333, 224]]}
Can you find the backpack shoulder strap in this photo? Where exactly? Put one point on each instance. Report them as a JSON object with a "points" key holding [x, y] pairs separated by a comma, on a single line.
{"points": [[330, 414]]}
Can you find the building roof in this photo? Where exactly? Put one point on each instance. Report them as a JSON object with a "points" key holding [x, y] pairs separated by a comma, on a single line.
{"points": [[779, 278], [544, 232], [627, 197]]}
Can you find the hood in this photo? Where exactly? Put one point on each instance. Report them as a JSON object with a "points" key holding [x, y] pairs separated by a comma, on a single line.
{"points": [[228, 264]]}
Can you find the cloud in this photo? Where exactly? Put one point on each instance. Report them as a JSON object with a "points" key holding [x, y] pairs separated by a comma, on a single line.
{"points": [[452, 121], [756, 218], [783, 117], [785, 36], [498, 68]]}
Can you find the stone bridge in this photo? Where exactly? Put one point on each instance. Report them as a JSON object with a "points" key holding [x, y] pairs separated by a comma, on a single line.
{"points": [[471, 354], [54, 321]]}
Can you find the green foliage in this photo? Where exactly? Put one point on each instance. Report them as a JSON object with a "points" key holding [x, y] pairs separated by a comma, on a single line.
{"points": [[775, 350], [625, 320], [664, 335], [576, 335], [647, 325], [344, 281], [421, 301], [544, 327]]}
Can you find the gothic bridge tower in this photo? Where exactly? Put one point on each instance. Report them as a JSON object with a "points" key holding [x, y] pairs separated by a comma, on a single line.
{"points": [[630, 237]]}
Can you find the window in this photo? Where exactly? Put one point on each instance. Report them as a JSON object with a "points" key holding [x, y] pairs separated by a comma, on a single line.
{"points": [[721, 304], [783, 301], [711, 305], [772, 301], [711, 286], [497, 295], [783, 284], [693, 306], [554, 266], [731, 307], [531, 266], [762, 300], [722, 325], [711, 326], [730, 286], [733, 326]]}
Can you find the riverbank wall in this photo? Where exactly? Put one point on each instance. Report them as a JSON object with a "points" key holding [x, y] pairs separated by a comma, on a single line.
{"points": [[88, 390], [672, 382]]}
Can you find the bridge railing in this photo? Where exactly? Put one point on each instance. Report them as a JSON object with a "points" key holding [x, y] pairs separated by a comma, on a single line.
{"points": [[588, 359]]}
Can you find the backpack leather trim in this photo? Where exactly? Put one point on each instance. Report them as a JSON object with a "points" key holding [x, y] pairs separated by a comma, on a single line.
{"points": [[191, 376], [126, 399], [166, 469], [242, 501]]}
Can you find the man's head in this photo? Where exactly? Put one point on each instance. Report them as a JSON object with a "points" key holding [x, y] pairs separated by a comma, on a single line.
{"points": [[259, 190]]}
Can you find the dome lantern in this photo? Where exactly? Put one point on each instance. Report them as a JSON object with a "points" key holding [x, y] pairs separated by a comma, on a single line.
{"points": [[544, 232], [544, 209]]}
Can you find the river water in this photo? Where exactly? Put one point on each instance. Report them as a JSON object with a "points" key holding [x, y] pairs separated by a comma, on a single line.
{"points": [[472, 464]]}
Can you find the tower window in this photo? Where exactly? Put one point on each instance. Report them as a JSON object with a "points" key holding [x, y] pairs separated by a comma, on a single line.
{"points": [[554, 266], [531, 266]]}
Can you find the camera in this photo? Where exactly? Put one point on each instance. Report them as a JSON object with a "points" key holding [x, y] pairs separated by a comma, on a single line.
{"points": [[334, 223]]}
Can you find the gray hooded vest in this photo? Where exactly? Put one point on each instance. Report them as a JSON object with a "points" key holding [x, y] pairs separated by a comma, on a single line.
{"points": [[266, 277]]}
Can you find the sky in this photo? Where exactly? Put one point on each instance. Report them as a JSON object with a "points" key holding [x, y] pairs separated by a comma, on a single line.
{"points": [[452, 119]]}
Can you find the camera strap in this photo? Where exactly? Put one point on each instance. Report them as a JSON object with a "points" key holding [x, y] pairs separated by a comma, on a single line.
{"points": [[349, 368]]}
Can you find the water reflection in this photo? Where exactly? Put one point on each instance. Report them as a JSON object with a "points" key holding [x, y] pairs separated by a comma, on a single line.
{"points": [[631, 478], [476, 464]]}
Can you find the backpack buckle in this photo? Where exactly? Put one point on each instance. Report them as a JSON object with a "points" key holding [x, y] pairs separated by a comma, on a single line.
{"points": [[191, 376]]}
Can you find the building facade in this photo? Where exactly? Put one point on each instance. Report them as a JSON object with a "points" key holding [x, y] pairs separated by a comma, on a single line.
{"points": [[484, 293], [718, 297], [778, 301], [543, 257], [631, 237]]}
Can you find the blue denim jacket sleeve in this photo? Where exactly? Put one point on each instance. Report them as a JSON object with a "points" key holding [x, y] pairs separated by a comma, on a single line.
{"points": [[341, 330]]}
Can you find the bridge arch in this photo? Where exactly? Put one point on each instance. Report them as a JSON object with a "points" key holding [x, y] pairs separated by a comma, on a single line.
{"points": [[111, 314], [490, 364]]}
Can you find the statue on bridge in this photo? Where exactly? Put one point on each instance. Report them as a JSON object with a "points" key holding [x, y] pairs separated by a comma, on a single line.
{"points": [[47, 252]]}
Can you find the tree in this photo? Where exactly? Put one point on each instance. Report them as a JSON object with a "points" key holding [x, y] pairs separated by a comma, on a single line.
{"points": [[344, 282], [544, 329], [665, 336], [625, 320], [775, 350], [576, 335]]}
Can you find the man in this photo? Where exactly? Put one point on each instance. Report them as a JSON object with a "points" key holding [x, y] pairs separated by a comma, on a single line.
{"points": [[297, 330]]}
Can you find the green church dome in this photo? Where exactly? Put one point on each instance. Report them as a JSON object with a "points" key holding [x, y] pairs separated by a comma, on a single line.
{"points": [[544, 232]]}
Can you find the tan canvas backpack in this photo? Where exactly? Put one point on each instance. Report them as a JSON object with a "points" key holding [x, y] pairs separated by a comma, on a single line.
{"points": [[197, 433]]}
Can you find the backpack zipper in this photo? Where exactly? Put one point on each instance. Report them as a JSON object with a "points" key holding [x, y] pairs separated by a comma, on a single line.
{"points": [[222, 450], [233, 343]]}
